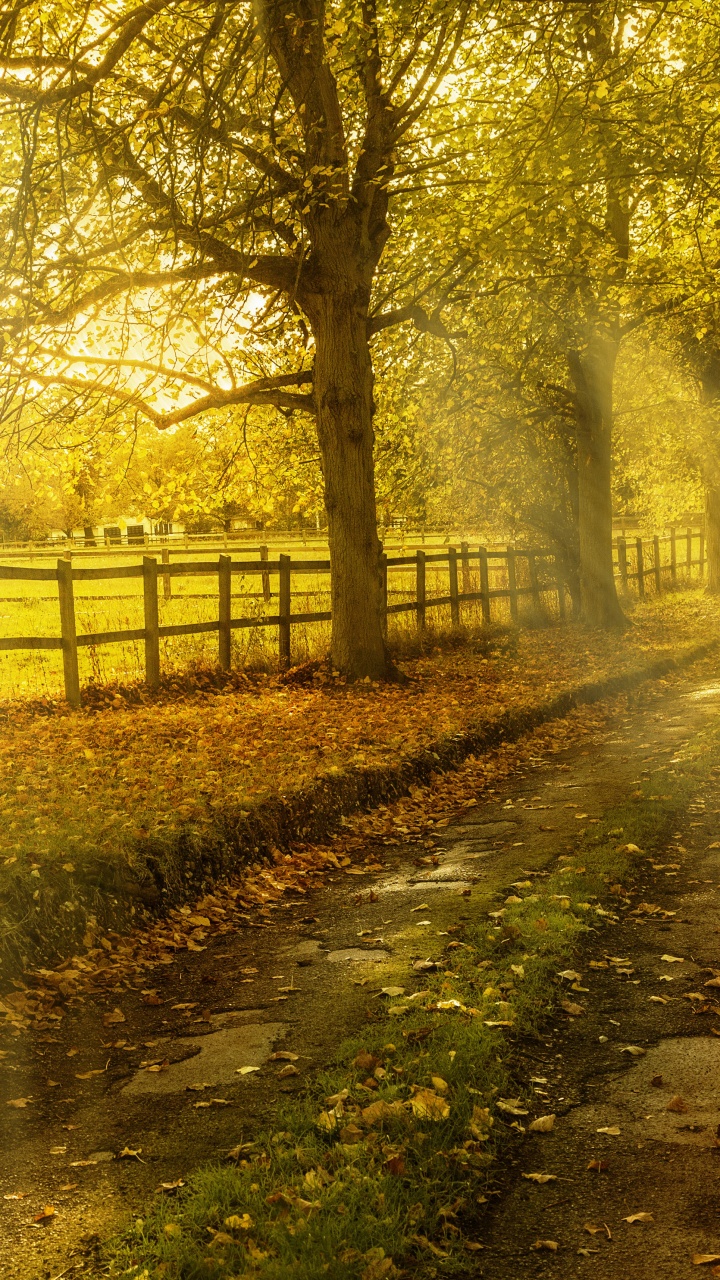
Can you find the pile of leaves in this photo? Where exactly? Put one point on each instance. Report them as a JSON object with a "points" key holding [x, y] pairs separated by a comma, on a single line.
{"points": [[97, 782]]}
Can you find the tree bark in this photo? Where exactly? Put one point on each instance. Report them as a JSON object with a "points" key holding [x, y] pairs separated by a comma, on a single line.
{"points": [[712, 536], [343, 391], [592, 374]]}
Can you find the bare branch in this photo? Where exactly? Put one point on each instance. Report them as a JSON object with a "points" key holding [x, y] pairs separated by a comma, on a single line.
{"points": [[262, 391]]}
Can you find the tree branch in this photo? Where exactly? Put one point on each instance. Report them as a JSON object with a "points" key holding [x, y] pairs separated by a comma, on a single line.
{"points": [[420, 318], [262, 391]]}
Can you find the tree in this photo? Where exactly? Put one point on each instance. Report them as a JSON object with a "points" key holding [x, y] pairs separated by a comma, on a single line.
{"points": [[594, 151], [195, 188]]}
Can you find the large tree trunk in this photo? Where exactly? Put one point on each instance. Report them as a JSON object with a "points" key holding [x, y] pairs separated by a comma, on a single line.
{"points": [[592, 373], [343, 390], [712, 536]]}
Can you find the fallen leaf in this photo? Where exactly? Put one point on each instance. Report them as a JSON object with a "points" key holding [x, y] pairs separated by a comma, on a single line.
{"points": [[639, 1217], [172, 1230], [236, 1223], [677, 1104], [18, 1103], [701, 1259], [286, 1071], [351, 1134], [428, 1244], [47, 1213], [543, 1124], [612, 1131], [481, 1123], [574, 1010], [109, 1019], [592, 1228], [380, 1111], [283, 1055], [673, 959], [571, 975], [428, 1105], [634, 1050], [551, 1245], [598, 1166], [540, 1177], [245, 1071], [512, 1106], [130, 1153]]}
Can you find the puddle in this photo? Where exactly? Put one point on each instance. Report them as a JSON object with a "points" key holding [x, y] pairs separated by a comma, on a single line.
{"points": [[357, 955], [710, 691], [444, 882], [220, 1054], [487, 828]]}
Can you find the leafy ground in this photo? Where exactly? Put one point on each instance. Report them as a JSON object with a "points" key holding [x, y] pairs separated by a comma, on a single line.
{"points": [[132, 768], [402, 1165], [384, 1165]]}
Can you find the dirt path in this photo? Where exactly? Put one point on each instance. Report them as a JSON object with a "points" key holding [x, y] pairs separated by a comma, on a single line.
{"points": [[651, 1120], [304, 981]]}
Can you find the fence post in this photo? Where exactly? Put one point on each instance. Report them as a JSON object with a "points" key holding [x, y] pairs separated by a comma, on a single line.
{"points": [[560, 587], [384, 589], [454, 601], [420, 588], [673, 556], [640, 568], [152, 622], [466, 579], [689, 539], [622, 564], [656, 563], [512, 582], [284, 624], [66, 600], [167, 589], [484, 585], [701, 553], [534, 584], [265, 576], [224, 610]]}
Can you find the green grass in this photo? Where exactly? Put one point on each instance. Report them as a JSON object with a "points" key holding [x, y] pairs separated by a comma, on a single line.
{"points": [[310, 1198]]}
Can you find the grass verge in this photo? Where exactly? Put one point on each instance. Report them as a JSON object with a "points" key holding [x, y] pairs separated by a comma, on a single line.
{"points": [[383, 1166]]}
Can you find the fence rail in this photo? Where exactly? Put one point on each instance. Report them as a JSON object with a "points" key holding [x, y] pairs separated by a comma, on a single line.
{"points": [[528, 574]]}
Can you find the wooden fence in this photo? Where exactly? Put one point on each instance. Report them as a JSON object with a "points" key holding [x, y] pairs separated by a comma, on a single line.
{"points": [[527, 574]]}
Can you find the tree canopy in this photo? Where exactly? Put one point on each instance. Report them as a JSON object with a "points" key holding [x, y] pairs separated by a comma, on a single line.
{"points": [[341, 254]]}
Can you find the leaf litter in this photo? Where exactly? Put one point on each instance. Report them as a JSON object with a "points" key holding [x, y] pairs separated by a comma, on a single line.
{"points": [[250, 898]]}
